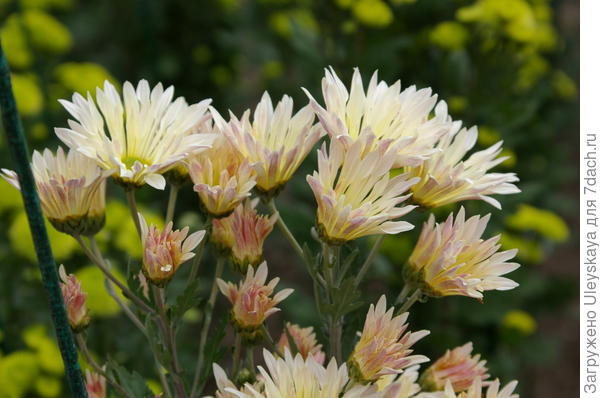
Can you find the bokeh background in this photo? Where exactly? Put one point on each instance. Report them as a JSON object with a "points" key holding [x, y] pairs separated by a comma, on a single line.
{"points": [[509, 66]]}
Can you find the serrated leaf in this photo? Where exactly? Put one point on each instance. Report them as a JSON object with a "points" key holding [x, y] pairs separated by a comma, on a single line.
{"points": [[155, 341], [132, 382], [189, 299]]}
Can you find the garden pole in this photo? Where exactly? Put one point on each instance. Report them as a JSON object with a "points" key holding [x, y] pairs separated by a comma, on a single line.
{"points": [[20, 154]]}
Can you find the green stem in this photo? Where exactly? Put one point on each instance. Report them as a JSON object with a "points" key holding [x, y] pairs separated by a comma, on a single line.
{"points": [[97, 368], [270, 341], [367, 264], [285, 230], [134, 319], [208, 311], [250, 358], [237, 353], [410, 301], [172, 201], [20, 154], [198, 257], [330, 264], [130, 192], [403, 294]]}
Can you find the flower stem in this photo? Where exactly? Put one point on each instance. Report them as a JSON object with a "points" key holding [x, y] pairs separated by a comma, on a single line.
{"points": [[366, 265], [133, 209], [285, 230], [208, 311], [330, 266], [237, 352], [250, 358], [172, 201], [97, 368], [96, 257], [198, 257], [413, 298]]}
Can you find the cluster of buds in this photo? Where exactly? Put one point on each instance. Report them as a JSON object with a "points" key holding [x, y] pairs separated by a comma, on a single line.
{"points": [[74, 299], [241, 235], [252, 302]]}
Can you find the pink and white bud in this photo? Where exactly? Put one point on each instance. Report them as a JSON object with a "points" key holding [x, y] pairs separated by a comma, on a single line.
{"points": [[252, 301], [95, 384], [458, 367], [164, 251], [74, 299], [242, 234], [385, 344], [305, 342]]}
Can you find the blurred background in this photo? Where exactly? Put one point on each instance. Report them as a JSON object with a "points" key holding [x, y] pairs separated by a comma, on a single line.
{"points": [[508, 66]]}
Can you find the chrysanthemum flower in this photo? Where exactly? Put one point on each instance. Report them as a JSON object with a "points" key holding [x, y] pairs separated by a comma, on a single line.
{"points": [[451, 259], [72, 190], [251, 300], [95, 384], [457, 366], [354, 191], [164, 251], [476, 391], [384, 347], [275, 142], [400, 386], [138, 138], [385, 111], [242, 234], [304, 340], [74, 299], [222, 178], [447, 178], [291, 377]]}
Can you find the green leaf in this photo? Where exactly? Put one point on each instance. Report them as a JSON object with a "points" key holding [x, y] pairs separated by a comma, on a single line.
{"points": [[189, 299], [155, 341], [132, 382], [213, 351]]}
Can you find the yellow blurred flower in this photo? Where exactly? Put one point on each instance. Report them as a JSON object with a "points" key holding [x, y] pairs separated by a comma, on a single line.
{"points": [[14, 43], [510, 158], [98, 300], [27, 94], [81, 77], [521, 321], [272, 69], [284, 22], [18, 372], [563, 85], [488, 136], [458, 103], [372, 13], [47, 33], [48, 387], [449, 35], [532, 69], [544, 222]]}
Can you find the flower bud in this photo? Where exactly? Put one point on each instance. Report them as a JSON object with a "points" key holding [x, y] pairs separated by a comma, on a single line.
{"points": [[95, 384], [164, 251], [305, 342], [74, 299]]}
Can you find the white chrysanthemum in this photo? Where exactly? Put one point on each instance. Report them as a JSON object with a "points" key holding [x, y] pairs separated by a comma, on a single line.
{"points": [[275, 142], [385, 111], [476, 391], [354, 191], [71, 189], [450, 258], [295, 377], [447, 178], [141, 137], [225, 386]]}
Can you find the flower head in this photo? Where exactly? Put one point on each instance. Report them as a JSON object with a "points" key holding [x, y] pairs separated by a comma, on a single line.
{"points": [[294, 376], [476, 391], [456, 366], [275, 142], [74, 298], [304, 340], [384, 111], [222, 177], [447, 178], [252, 301], [384, 347], [354, 191], [242, 235], [95, 384], [72, 190], [164, 251], [451, 259], [140, 137]]}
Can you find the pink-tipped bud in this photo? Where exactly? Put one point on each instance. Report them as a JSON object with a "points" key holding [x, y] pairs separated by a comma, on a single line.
{"points": [[242, 235], [95, 384], [305, 342], [74, 299], [166, 250], [458, 367]]}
